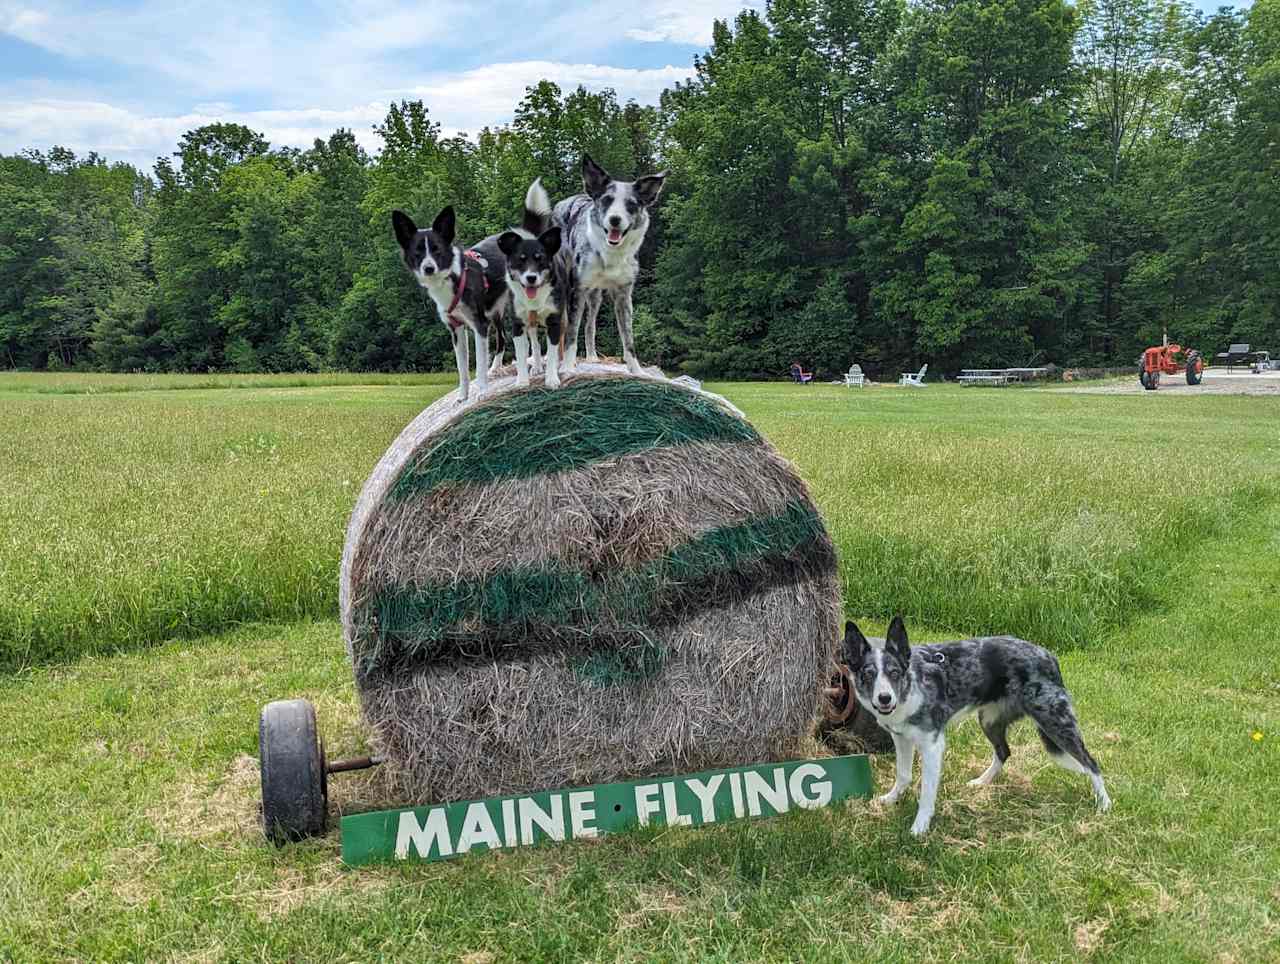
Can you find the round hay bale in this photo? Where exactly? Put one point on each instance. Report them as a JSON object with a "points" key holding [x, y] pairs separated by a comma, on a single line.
{"points": [[614, 579]]}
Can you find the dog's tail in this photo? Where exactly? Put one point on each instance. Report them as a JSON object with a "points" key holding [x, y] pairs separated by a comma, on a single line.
{"points": [[537, 209]]}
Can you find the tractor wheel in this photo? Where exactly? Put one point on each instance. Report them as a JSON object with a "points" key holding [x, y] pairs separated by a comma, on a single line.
{"points": [[1142, 376], [1195, 369], [294, 780], [1150, 380]]}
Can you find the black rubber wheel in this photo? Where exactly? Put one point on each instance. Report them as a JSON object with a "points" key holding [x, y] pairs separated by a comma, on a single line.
{"points": [[294, 780], [1151, 381], [1142, 376], [1195, 371]]}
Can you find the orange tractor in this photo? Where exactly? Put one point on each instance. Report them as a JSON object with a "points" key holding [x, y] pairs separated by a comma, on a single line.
{"points": [[1169, 359]]}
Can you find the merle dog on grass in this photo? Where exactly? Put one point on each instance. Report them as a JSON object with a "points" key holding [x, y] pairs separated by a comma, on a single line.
{"points": [[916, 692]]}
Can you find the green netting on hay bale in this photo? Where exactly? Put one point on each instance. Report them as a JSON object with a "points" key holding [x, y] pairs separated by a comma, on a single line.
{"points": [[612, 579]]}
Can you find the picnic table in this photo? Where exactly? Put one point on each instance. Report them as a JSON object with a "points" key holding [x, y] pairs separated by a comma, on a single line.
{"points": [[984, 376], [1026, 374], [998, 376]]}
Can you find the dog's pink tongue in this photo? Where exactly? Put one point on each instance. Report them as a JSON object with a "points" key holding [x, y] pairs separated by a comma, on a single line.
{"points": [[531, 291], [615, 235]]}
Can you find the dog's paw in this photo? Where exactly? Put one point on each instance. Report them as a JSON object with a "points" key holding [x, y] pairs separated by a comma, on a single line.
{"points": [[593, 359], [889, 799], [981, 780], [553, 379], [920, 827]]}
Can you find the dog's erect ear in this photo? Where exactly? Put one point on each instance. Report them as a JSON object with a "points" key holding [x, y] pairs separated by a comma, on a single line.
{"points": [[508, 241], [405, 228], [594, 177], [550, 241], [445, 224], [896, 638], [855, 645], [649, 187]]}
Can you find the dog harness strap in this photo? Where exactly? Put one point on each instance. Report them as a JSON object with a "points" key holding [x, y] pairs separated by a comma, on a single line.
{"points": [[467, 256]]}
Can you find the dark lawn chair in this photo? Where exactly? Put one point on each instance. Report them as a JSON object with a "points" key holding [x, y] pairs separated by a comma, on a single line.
{"points": [[800, 376]]}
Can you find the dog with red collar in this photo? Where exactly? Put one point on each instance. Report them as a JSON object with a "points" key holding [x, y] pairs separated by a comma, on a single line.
{"points": [[468, 287]]}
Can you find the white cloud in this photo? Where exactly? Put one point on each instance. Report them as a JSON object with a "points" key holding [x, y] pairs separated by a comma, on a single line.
{"points": [[172, 65], [122, 134], [465, 101], [221, 48], [488, 95], [685, 23]]}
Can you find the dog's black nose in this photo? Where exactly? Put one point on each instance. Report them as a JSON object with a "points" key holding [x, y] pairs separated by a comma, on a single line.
{"points": [[427, 269], [884, 699], [615, 221]]}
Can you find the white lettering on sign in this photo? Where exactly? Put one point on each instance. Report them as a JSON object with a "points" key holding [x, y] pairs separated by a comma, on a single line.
{"points": [[509, 823], [477, 828], [758, 788], [412, 833], [820, 792], [552, 824], [646, 802], [735, 790], [674, 817], [749, 792], [582, 810], [706, 794]]}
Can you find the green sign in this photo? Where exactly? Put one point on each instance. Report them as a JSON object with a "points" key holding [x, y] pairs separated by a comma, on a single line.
{"points": [[451, 829]]}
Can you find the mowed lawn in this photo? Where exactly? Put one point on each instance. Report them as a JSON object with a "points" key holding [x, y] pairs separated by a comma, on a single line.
{"points": [[168, 563]]}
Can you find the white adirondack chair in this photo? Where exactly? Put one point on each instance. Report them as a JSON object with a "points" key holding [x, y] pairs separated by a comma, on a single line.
{"points": [[917, 379], [854, 377]]}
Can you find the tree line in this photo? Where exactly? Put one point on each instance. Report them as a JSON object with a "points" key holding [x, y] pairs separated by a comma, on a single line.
{"points": [[964, 182]]}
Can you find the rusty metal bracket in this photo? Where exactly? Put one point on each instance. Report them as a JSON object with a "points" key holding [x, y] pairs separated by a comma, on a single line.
{"points": [[841, 701], [355, 763]]}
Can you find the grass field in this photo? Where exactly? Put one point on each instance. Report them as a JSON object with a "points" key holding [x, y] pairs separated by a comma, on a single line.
{"points": [[168, 557]]}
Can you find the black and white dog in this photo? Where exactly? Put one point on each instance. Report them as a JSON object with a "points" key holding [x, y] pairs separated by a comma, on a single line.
{"points": [[603, 230], [538, 276], [915, 692], [468, 287]]}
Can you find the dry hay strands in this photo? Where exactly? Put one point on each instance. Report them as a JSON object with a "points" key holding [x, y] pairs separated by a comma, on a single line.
{"points": [[616, 578]]}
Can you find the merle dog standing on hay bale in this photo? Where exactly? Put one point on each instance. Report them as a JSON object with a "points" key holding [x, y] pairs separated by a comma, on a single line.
{"points": [[602, 231], [653, 593]]}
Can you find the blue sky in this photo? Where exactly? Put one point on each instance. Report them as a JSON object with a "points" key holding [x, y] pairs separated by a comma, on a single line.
{"points": [[127, 79]]}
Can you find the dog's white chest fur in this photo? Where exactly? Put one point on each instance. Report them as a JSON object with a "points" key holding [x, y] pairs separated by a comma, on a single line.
{"points": [[611, 267], [440, 286], [541, 306], [441, 293]]}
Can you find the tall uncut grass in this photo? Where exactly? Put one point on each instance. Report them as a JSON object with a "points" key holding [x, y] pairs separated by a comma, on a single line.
{"points": [[129, 518], [105, 383], [1051, 516], [135, 512]]}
